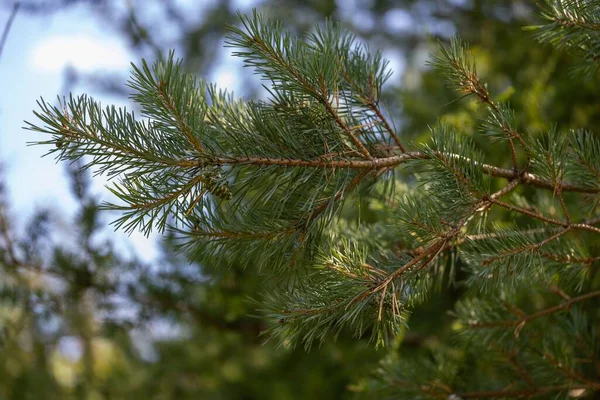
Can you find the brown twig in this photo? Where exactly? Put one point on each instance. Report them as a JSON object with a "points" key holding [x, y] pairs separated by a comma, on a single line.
{"points": [[324, 99], [427, 255], [531, 247], [387, 126], [563, 306], [568, 372], [370, 101], [389, 162], [546, 219], [472, 85], [321, 94], [522, 393], [511, 357]]}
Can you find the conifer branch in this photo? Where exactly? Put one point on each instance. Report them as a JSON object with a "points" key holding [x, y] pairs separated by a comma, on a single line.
{"points": [[543, 218], [510, 135], [280, 171], [530, 213], [525, 393], [574, 25], [563, 206], [387, 126], [574, 14], [428, 255], [492, 235], [570, 18], [324, 99], [321, 208], [223, 234], [551, 310], [394, 161], [568, 372], [459, 68], [253, 39], [510, 132], [519, 368], [531, 247], [567, 258], [371, 103]]}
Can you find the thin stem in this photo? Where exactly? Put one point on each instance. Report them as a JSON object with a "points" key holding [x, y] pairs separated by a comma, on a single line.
{"points": [[569, 373], [545, 219], [567, 258], [183, 126], [429, 254], [390, 162], [471, 84], [77, 130], [370, 102], [386, 125], [321, 94], [563, 306], [518, 368], [522, 393], [566, 22], [564, 206], [324, 99], [530, 247]]}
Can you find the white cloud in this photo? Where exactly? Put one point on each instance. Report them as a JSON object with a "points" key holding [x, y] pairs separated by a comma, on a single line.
{"points": [[225, 78], [85, 53]]}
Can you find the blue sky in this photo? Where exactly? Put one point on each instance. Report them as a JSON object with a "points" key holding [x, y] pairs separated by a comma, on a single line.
{"points": [[31, 66], [33, 61]]}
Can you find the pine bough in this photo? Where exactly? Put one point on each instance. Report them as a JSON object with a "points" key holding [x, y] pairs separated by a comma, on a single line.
{"points": [[264, 183]]}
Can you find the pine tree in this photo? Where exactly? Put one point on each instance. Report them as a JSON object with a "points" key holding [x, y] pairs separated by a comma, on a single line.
{"points": [[265, 184]]}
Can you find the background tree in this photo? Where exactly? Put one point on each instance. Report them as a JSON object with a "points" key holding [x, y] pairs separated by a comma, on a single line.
{"points": [[502, 59]]}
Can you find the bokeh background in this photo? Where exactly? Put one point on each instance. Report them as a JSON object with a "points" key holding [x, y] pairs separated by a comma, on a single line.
{"points": [[87, 312]]}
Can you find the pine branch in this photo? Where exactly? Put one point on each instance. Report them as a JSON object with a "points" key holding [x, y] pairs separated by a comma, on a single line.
{"points": [[526, 393], [551, 310], [568, 372], [457, 65], [430, 253], [569, 259], [523, 249], [169, 104], [394, 161], [369, 99], [259, 41], [324, 99], [548, 220], [573, 24], [264, 184]]}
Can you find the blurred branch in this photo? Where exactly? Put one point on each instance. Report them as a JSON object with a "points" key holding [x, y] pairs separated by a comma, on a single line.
{"points": [[11, 18]]}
